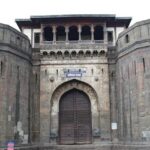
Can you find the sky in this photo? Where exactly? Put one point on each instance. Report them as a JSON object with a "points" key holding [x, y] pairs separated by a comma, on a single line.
{"points": [[14, 9]]}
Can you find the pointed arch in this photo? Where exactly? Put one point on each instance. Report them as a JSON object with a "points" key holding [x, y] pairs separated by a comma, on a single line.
{"points": [[63, 88]]}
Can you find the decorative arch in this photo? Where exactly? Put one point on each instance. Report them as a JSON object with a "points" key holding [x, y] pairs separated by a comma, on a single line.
{"points": [[88, 53], [48, 33], [45, 53], [66, 54], [52, 54], [102, 53], [73, 34], [59, 54], [60, 33], [98, 33], [80, 54], [73, 54], [86, 33], [95, 53], [63, 88], [127, 39]]}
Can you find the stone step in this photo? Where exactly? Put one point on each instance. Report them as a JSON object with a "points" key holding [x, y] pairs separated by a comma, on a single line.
{"points": [[87, 147], [77, 147]]}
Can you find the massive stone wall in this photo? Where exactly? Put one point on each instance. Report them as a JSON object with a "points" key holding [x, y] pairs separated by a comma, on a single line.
{"points": [[35, 97], [133, 83], [118, 87], [15, 68]]}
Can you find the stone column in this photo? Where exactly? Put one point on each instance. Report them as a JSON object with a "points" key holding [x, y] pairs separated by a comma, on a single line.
{"points": [[79, 30], [67, 33], [42, 38], [32, 37], [105, 33], [104, 102], [54, 34], [114, 123], [92, 33]]}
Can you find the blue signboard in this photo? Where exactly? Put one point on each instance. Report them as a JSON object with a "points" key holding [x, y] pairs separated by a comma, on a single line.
{"points": [[74, 75], [74, 72]]}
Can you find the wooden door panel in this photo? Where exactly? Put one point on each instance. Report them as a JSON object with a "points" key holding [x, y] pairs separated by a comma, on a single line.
{"points": [[84, 126], [67, 134], [75, 118], [67, 127]]}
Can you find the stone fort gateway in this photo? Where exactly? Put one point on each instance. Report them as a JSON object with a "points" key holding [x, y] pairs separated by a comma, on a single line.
{"points": [[72, 82]]}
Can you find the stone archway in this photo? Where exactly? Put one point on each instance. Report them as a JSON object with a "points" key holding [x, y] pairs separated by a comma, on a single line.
{"points": [[63, 88]]}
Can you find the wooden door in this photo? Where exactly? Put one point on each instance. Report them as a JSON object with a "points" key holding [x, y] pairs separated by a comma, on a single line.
{"points": [[75, 118]]}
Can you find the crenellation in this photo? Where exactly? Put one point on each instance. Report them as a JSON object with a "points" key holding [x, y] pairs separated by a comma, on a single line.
{"points": [[14, 39]]}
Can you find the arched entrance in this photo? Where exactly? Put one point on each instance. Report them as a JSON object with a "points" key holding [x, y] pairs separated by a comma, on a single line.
{"points": [[75, 118]]}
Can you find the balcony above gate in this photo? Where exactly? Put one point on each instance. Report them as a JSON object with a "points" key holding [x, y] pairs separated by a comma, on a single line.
{"points": [[73, 45]]}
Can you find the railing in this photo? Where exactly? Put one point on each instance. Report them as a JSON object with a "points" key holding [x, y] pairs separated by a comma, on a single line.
{"points": [[73, 46], [73, 42], [78, 44], [82, 43]]}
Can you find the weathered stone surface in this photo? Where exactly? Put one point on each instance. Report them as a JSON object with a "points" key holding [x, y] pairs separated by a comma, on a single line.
{"points": [[116, 80], [15, 70], [133, 83]]}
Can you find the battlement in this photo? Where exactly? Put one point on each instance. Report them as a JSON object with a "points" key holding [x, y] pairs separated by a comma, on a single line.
{"points": [[18, 42], [137, 34]]}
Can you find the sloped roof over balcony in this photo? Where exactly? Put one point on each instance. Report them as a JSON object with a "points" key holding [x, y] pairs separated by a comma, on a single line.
{"points": [[110, 19]]}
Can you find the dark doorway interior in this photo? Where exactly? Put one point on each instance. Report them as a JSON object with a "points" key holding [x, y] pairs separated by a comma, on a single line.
{"points": [[73, 33], [98, 33], [86, 33], [48, 34], [60, 34]]}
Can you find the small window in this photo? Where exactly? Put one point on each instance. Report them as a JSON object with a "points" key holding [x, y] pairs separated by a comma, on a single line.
{"points": [[36, 78], [110, 36], [127, 38], [135, 67], [19, 41], [2, 68], [112, 74], [143, 64], [57, 72], [18, 69], [92, 71], [36, 37], [18, 38], [48, 34]]}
